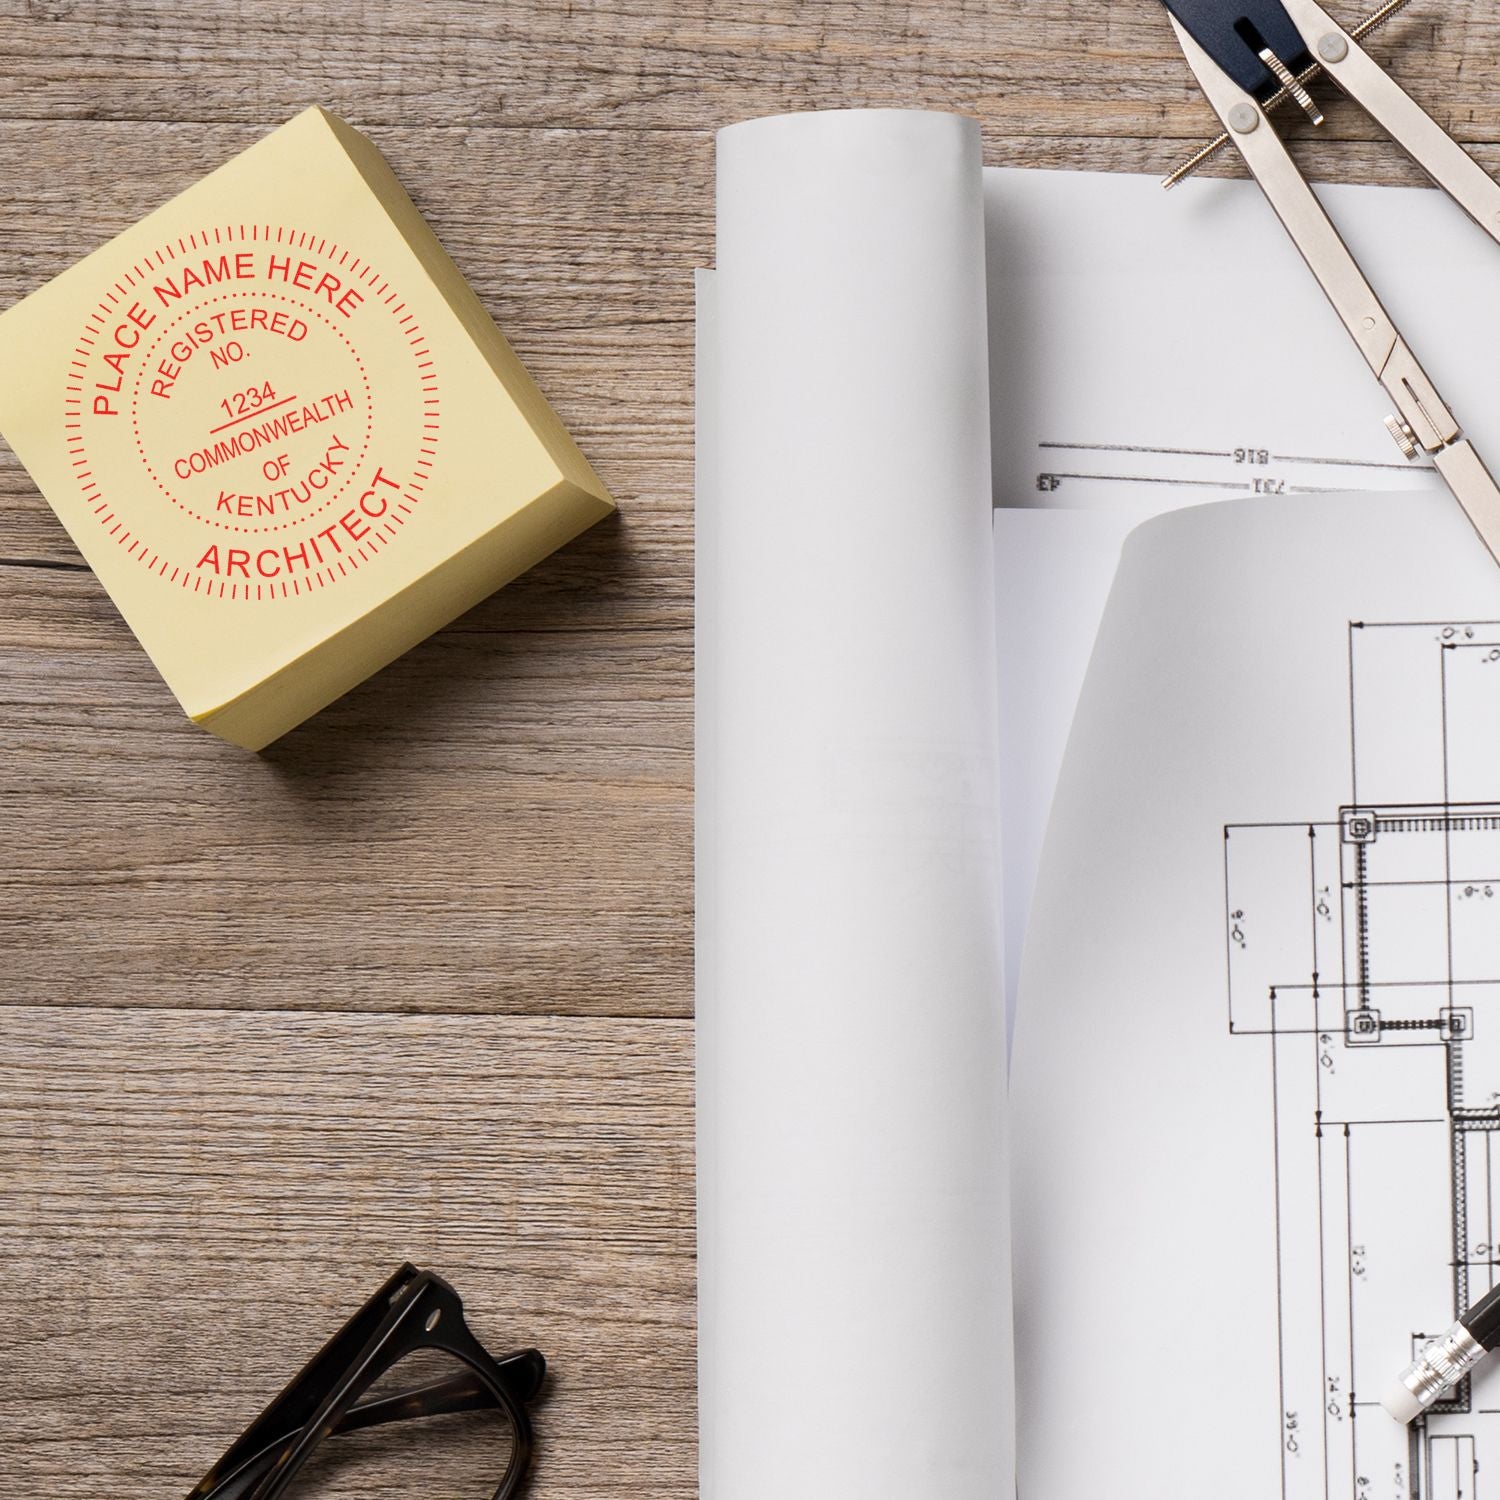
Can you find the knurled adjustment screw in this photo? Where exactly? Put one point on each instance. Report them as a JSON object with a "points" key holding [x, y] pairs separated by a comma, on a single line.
{"points": [[1406, 439]]}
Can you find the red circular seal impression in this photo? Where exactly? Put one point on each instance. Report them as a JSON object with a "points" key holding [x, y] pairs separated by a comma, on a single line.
{"points": [[252, 412]]}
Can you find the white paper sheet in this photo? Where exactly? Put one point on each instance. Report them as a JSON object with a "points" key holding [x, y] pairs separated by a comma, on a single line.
{"points": [[1155, 349], [854, 1334], [1150, 350], [849, 884], [1241, 1093]]}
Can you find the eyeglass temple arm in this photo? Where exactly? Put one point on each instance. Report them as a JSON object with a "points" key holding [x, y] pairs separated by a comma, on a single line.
{"points": [[522, 1374]]}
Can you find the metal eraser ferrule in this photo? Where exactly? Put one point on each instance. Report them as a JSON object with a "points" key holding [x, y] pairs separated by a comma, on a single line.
{"points": [[1440, 1365]]}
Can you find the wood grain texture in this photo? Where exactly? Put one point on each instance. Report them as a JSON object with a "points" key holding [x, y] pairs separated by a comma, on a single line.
{"points": [[194, 1201], [416, 983]]}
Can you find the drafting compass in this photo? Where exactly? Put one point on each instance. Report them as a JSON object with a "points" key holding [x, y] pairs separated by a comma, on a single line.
{"points": [[1249, 56]]}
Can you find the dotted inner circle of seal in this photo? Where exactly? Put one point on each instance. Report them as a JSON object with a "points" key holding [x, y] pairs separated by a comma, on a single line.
{"points": [[305, 310]]}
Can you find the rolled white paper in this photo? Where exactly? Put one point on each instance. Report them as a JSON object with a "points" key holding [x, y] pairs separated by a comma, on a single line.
{"points": [[853, 1236]]}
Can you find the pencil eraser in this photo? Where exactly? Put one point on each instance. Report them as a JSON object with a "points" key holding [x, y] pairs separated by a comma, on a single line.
{"points": [[1401, 1403], [284, 432]]}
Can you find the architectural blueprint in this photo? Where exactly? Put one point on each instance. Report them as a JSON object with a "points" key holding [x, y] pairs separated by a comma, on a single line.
{"points": [[1363, 951]]}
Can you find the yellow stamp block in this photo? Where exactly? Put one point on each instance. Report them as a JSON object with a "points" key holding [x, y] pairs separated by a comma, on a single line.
{"points": [[283, 431]]}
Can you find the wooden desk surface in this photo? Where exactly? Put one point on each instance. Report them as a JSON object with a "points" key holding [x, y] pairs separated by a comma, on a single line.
{"points": [[416, 983]]}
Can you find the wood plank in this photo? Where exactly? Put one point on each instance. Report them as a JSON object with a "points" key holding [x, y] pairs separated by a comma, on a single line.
{"points": [[194, 1201], [1032, 67], [500, 820]]}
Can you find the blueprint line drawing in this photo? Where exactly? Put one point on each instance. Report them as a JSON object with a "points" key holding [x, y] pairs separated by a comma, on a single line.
{"points": [[1363, 954]]}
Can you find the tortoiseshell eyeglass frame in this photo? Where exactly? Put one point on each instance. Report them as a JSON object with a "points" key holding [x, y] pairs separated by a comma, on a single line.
{"points": [[413, 1311]]}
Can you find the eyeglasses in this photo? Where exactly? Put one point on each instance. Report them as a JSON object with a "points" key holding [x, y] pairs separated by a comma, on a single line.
{"points": [[414, 1311]]}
